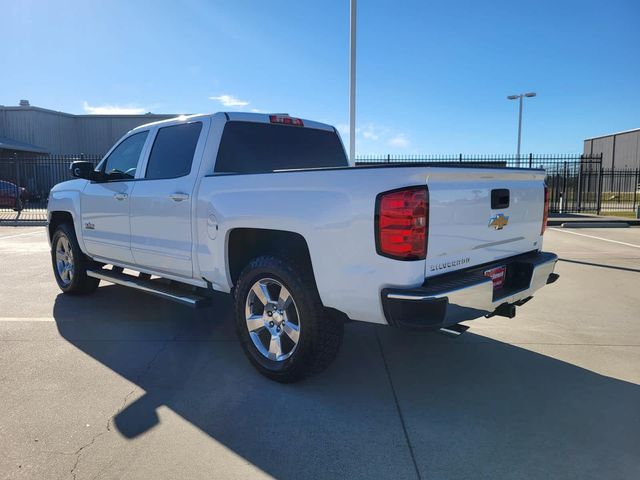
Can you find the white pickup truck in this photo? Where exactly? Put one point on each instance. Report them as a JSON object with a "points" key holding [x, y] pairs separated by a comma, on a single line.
{"points": [[267, 207]]}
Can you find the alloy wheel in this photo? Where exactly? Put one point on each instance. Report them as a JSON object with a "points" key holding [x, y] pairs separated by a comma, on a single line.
{"points": [[272, 319], [64, 260]]}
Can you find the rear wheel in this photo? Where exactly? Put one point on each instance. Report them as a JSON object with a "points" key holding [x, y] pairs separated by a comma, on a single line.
{"points": [[281, 322], [70, 264]]}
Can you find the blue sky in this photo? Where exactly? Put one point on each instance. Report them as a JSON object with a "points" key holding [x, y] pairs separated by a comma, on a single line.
{"points": [[432, 75]]}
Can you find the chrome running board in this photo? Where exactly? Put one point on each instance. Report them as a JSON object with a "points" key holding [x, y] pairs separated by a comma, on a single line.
{"points": [[174, 292]]}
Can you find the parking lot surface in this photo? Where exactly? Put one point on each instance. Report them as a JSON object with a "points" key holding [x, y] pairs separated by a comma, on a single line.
{"points": [[124, 385]]}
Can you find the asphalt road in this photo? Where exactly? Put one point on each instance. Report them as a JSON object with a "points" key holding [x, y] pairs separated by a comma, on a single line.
{"points": [[124, 385]]}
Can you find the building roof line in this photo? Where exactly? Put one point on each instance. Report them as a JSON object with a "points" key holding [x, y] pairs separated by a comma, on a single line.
{"points": [[11, 144], [613, 134], [85, 115]]}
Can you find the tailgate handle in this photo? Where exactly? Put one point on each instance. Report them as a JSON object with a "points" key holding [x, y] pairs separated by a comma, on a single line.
{"points": [[500, 198]]}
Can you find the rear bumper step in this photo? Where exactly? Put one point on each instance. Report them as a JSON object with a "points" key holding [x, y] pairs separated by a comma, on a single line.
{"points": [[468, 294], [175, 293]]}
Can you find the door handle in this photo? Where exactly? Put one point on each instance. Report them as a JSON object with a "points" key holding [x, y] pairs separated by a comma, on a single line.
{"points": [[178, 196], [120, 196]]}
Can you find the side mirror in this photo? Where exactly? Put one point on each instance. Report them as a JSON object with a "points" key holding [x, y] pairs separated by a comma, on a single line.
{"points": [[86, 170]]}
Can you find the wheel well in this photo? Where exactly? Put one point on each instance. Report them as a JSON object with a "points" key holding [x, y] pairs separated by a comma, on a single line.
{"points": [[246, 244], [57, 219]]}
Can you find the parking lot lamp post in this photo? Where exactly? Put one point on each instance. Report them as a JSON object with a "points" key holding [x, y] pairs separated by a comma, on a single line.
{"points": [[520, 97], [352, 82]]}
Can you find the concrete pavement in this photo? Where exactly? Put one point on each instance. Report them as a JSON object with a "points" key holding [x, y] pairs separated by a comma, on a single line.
{"points": [[124, 385]]}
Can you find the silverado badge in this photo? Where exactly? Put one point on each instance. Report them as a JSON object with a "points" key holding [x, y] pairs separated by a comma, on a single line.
{"points": [[498, 221]]}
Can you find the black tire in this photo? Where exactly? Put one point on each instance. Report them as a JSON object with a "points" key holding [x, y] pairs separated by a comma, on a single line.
{"points": [[78, 283], [320, 334]]}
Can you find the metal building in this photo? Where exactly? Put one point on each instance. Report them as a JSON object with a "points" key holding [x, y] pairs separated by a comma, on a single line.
{"points": [[27, 130], [619, 150]]}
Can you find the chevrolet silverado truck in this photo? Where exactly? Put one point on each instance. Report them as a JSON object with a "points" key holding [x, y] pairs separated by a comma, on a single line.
{"points": [[267, 208]]}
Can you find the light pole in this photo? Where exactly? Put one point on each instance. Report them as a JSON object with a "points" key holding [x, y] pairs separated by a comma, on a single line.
{"points": [[520, 97], [352, 84]]}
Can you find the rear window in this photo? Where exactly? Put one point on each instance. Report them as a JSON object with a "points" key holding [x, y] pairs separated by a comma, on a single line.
{"points": [[263, 147], [172, 152]]}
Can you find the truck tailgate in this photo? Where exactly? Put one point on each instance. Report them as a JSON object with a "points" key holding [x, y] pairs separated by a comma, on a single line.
{"points": [[467, 229]]}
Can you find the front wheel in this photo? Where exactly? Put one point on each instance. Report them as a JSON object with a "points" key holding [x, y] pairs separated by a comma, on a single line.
{"points": [[69, 263], [281, 322]]}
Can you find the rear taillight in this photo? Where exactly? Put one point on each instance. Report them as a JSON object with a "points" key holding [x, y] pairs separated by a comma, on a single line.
{"points": [[286, 120], [402, 217], [545, 213]]}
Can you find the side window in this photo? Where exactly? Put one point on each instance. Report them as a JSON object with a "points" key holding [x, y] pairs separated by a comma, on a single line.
{"points": [[172, 152], [122, 162]]}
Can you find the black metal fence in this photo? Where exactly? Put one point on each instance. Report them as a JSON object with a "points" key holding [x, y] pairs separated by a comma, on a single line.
{"points": [[587, 187], [500, 160], [547, 161], [577, 183], [25, 183]]}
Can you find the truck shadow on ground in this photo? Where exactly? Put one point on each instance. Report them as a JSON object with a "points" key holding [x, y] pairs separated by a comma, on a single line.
{"points": [[601, 265], [473, 407]]}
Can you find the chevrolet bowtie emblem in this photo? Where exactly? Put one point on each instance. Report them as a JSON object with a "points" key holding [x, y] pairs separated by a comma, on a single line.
{"points": [[498, 221]]}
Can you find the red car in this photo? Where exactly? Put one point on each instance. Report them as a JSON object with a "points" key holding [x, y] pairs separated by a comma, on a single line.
{"points": [[8, 194]]}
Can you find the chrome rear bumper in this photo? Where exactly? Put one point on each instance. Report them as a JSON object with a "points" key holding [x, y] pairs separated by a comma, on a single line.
{"points": [[467, 294]]}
